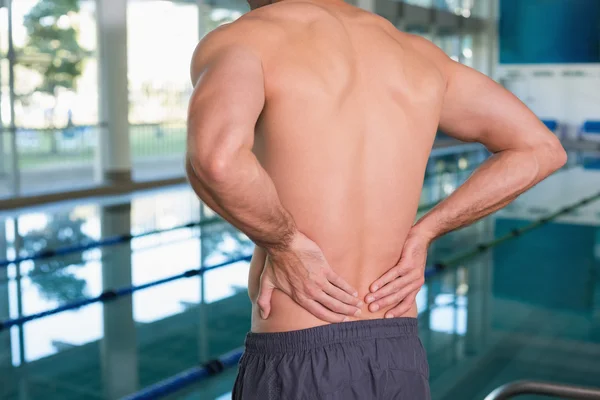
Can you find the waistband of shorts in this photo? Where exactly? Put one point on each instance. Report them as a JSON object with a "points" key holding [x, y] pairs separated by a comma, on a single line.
{"points": [[320, 336]]}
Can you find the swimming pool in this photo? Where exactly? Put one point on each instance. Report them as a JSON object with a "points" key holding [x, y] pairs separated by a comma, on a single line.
{"points": [[527, 308]]}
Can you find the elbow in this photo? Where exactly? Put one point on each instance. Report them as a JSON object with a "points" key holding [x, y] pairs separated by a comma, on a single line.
{"points": [[212, 168], [552, 156], [558, 155]]}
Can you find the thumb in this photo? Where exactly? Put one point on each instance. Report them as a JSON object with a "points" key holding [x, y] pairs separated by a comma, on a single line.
{"points": [[264, 294]]}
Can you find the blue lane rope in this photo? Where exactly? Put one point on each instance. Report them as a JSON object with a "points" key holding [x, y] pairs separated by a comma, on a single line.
{"points": [[188, 377], [112, 294], [103, 259], [111, 241]]}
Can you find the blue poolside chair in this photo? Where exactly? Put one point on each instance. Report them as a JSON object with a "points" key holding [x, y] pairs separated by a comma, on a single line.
{"points": [[590, 130], [551, 124]]}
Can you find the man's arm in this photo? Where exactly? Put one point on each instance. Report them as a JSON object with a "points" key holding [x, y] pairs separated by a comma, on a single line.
{"points": [[475, 109], [227, 101]]}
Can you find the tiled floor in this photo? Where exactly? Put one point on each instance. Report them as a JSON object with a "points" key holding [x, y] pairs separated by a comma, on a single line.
{"points": [[528, 308]]}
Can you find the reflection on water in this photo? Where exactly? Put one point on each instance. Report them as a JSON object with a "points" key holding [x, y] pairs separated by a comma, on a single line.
{"points": [[57, 283]]}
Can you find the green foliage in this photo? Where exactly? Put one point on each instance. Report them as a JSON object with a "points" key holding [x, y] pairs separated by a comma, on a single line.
{"points": [[52, 48]]}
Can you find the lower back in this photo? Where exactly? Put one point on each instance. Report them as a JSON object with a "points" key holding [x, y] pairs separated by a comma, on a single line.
{"points": [[282, 307], [287, 315], [359, 264]]}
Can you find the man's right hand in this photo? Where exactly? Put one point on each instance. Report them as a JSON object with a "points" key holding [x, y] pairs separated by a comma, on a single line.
{"points": [[302, 272], [399, 286]]}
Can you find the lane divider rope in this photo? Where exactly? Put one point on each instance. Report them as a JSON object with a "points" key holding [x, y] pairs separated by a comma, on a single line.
{"points": [[111, 241], [112, 294]]}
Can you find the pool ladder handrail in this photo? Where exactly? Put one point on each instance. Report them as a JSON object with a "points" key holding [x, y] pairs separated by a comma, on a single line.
{"points": [[563, 391]]}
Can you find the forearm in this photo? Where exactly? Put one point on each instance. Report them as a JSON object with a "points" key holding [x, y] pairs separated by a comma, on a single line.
{"points": [[241, 191], [501, 179]]}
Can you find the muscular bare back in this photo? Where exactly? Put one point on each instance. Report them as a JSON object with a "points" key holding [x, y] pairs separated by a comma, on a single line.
{"points": [[351, 111], [324, 115]]}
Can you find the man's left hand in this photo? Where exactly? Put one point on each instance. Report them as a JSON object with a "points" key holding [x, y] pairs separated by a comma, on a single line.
{"points": [[400, 284]]}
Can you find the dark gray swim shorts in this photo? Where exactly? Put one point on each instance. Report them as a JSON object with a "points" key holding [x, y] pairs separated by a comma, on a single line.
{"points": [[363, 360]]}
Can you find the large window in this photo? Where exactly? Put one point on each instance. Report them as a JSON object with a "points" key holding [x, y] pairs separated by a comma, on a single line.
{"points": [[450, 43], [422, 3], [6, 156], [466, 50], [459, 7], [162, 36], [55, 96], [49, 118]]}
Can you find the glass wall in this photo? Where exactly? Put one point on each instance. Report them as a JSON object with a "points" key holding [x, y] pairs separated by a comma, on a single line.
{"points": [[422, 3], [7, 170], [6, 174], [56, 127], [482, 8], [458, 7], [466, 50], [451, 44], [49, 117], [422, 31], [465, 8], [55, 95], [161, 39]]}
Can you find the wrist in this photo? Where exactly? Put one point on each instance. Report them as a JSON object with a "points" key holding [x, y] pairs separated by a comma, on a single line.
{"points": [[423, 234], [284, 244]]}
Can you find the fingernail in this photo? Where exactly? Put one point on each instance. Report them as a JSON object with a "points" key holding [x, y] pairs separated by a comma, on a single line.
{"points": [[375, 307], [389, 315], [262, 314], [360, 304], [374, 288], [370, 299], [345, 319], [357, 313]]}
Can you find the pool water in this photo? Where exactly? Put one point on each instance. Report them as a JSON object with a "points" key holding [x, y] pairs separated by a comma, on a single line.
{"points": [[527, 308]]}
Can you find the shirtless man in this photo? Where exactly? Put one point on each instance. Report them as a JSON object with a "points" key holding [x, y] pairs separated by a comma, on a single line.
{"points": [[310, 127]]}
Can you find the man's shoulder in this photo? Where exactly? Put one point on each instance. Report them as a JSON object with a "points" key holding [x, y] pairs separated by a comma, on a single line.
{"points": [[247, 31], [425, 48], [247, 34]]}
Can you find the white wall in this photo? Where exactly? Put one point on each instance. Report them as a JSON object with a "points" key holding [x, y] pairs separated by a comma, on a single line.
{"points": [[569, 93]]}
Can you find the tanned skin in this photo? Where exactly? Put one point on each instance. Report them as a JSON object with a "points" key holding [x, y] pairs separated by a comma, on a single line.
{"points": [[310, 127]]}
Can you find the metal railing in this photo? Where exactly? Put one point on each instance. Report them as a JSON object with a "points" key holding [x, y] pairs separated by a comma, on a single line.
{"points": [[56, 146], [37, 160], [562, 391]]}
